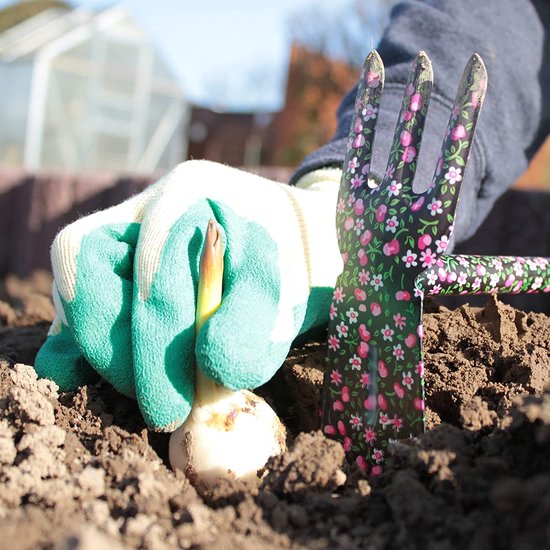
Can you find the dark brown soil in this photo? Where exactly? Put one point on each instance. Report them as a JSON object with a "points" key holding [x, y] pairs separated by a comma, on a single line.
{"points": [[79, 469]]}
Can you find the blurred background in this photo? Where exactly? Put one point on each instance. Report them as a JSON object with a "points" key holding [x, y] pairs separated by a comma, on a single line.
{"points": [[99, 99], [139, 86]]}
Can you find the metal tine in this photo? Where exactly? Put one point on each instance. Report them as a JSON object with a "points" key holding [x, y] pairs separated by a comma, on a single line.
{"points": [[407, 139], [361, 137], [456, 147]]}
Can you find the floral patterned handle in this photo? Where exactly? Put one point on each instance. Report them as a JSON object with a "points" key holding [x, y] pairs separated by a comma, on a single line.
{"points": [[484, 275], [389, 234]]}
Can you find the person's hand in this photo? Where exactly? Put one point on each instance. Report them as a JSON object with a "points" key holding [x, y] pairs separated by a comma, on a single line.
{"points": [[125, 283]]}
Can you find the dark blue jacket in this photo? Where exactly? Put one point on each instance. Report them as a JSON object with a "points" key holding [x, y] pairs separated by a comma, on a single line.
{"points": [[513, 38]]}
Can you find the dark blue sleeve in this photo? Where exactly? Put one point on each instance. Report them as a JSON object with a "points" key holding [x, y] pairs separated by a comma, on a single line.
{"points": [[513, 38]]}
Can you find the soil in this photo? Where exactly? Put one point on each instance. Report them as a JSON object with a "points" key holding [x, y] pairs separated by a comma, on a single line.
{"points": [[80, 470]]}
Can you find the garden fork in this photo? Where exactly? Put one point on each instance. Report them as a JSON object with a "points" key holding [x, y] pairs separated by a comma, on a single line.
{"points": [[393, 242]]}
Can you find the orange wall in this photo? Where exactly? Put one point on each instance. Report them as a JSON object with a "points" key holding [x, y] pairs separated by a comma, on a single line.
{"points": [[537, 175]]}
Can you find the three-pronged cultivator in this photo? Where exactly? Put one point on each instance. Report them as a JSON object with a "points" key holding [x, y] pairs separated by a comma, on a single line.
{"points": [[393, 242]]}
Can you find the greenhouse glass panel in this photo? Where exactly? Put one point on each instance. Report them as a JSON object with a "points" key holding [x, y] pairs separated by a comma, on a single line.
{"points": [[14, 98], [88, 92]]}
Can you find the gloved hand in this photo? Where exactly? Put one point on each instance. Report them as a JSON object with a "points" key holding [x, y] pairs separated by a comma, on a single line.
{"points": [[125, 283]]}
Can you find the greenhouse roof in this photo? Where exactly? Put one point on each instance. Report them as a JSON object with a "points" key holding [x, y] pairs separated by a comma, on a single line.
{"points": [[58, 29]]}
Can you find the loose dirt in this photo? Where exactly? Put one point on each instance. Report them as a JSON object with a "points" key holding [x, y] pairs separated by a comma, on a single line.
{"points": [[80, 470]]}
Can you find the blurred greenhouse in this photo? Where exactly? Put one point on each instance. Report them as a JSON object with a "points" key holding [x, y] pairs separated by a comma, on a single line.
{"points": [[86, 90]]}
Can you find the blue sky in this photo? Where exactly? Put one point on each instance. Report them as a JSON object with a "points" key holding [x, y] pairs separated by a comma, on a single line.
{"points": [[229, 54]]}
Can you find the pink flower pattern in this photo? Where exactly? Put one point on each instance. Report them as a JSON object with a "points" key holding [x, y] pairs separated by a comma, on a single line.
{"points": [[378, 358]]}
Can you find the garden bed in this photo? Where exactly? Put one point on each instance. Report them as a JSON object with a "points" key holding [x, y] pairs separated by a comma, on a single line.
{"points": [[80, 468]]}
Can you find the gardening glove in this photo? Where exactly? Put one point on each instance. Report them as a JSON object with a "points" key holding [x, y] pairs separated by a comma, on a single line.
{"points": [[92, 264], [126, 280]]}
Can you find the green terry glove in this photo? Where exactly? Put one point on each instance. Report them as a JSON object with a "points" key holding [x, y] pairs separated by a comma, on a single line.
{"points": [[125, 282]]}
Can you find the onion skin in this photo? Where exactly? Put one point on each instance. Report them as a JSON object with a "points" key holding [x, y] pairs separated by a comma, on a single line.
{"points": [[233, 438]]}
